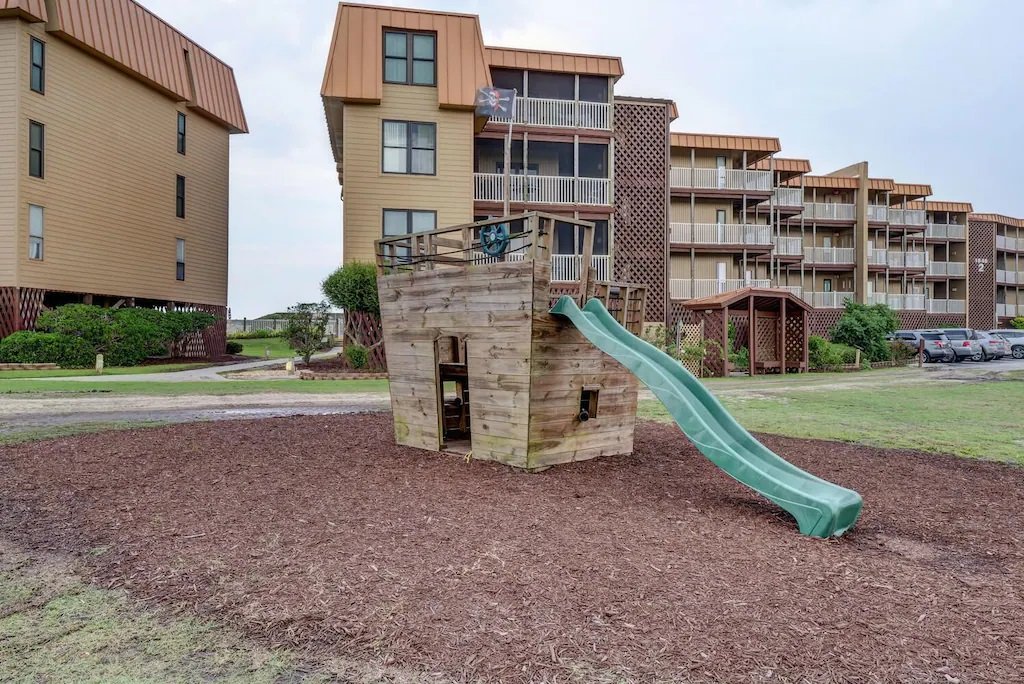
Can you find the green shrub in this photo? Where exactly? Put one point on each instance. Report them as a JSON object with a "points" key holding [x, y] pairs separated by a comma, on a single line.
{"points": [[94, 324], [740, 359], [357, 355], [234, 347], [847, 354], [1017, 323], [901, 353], [353, 287], [255, 334], [866, 327], [823, 354], [307, 327], [27, 346]]}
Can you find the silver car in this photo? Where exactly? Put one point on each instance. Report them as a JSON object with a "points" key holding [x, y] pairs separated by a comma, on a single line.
{"points": [[964, 344], [936, 345], [1015, 338], [992, 346]]}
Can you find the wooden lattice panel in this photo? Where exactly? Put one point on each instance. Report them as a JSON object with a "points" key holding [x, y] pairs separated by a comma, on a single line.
{"points": [[823, 320], [981, 272], [208, 343], [741, 325], [367, 330], [641, 200], [691, 335], [912, 320], [10, 320], [19, 308], [767, 336], [946, 320], [795, 342], [713, 322]]}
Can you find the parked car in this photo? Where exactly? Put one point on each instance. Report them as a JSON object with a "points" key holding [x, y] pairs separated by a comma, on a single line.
{"points": [[992, 346], [964, 344], [937, 346], [1016, 340]]}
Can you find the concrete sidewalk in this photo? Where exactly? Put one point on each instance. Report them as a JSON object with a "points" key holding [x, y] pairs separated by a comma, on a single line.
{"points": [[210, 373]]}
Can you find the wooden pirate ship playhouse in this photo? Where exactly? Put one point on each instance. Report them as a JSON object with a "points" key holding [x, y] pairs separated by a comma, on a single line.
{"points": [[476, 361]]}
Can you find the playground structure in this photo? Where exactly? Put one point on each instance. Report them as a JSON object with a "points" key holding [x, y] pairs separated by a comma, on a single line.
{"points": [[488, 357]]}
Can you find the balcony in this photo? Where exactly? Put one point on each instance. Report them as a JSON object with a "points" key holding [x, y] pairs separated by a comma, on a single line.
{"points": [[720, 234], [947, 306], [687, 288], [564, 267], [906, 217], [489, 187], [905, 259], [1009, 310], [877, 212], [827, 300], [720, 179], [1009, 277], [795, 290], [877, 257], [788, 197], [1009, 243], [901, 302], [946, 231], [788, 246], [952, 269], [541, 111], [830, 211], [828, 255]]}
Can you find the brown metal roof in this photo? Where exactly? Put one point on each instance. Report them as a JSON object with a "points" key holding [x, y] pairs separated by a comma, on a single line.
{"points": [[33, 10], [785, 168], [881, 184], [912, 190], [998, 218], [827, 182], [131, 37], [725, 299], [929, 205], [354, 69], [713, 141], [543, 60]]}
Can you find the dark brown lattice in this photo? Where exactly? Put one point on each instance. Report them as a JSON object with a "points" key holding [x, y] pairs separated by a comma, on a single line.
{"points": [[823, 320], [767, 336], [19, 308], [795, 342], [641, 200], [912, 320], [367, 329], [946, 320], [981, 274]]}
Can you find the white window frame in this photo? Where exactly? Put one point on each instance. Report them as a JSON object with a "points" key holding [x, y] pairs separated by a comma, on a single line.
{"points": [[36, 229]]}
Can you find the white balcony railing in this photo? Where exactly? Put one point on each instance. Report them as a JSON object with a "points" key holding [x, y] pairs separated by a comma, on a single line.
{"points": [[1009, 277], [947, 306], [906, 259], [788, 246], [1008, 310], [564, 267], [907, 217], [489, 187], [877, 212], [541, 111], [877, 257], [946, 231], [789, 197], [956, 269], [720, 179], [828, 255], [900, 302], [720, 234], [830, 211], [792, 289], [1009, 243], [827, 300], [687, 288]]}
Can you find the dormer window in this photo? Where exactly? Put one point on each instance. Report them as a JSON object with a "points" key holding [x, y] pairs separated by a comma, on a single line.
{"points": [[410, 58]]}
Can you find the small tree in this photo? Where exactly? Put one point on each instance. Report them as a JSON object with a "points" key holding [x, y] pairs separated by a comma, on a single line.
{"points": [[306, 328], [353, 289], [1017, 323], [866, 327]]}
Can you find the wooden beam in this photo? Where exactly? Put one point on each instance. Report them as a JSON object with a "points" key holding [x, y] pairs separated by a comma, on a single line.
{"points": [[751, 335], [782, 334], [807, 339]]}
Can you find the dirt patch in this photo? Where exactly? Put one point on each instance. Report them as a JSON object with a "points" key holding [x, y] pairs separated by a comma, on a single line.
{"points": [[318, 533]]}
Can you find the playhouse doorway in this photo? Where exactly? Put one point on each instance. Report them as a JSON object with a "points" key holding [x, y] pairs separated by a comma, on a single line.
{"points": [[453, 394]]}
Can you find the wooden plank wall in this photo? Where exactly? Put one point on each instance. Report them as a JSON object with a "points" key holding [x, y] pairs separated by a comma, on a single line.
{"points": [[490, 306], [563, 362]]}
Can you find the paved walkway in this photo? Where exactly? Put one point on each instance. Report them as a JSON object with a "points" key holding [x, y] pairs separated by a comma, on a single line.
{"points": [[209, 373]]}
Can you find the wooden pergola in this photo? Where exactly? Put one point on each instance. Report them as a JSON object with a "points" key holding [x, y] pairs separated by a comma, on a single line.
{"points": [[773, 323]]}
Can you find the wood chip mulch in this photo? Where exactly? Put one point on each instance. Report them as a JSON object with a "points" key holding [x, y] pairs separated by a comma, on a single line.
{"points": [[317, 533]]}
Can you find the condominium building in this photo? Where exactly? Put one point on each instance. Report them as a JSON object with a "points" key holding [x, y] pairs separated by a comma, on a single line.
{"points": [[689, 215], [114, 135], [996, 255]]}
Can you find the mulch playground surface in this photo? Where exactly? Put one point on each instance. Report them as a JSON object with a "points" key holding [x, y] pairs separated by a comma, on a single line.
{"points": [[318, 534]]}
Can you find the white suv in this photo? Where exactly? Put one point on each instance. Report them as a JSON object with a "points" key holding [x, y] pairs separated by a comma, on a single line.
{"points": [[1016, 340]]}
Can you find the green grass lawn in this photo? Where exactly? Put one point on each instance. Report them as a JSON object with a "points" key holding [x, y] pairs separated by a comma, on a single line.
{"points": [[77, 372], [975, 419], [209, 387], [278, 347]]}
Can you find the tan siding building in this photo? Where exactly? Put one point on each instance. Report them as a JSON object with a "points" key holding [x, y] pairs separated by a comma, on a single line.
{"points": [[108, 188]]}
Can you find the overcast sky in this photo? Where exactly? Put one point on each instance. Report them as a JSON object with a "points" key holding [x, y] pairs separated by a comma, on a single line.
{"points": [[926, 91]]}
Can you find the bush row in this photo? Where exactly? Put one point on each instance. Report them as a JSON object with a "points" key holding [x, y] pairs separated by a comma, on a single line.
{"points": [[72, 335]]}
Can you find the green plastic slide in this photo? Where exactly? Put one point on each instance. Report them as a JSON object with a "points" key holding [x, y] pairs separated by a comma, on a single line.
{"points": [[821, 509]]}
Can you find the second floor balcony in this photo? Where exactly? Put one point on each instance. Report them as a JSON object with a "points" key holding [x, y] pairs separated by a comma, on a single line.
{"points": [[947, 306], [900, 302], [953, 269], [829, 255], [946, 231], [542, 111], [1009, 310], [1009, 244], [827, 300], [788, 197], [830, 211], [1006, 277], [877, 212], [490, 187], [720, 234], [687, 178], [906, 217], [896, 259], [694, 288], [788, 246]]}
